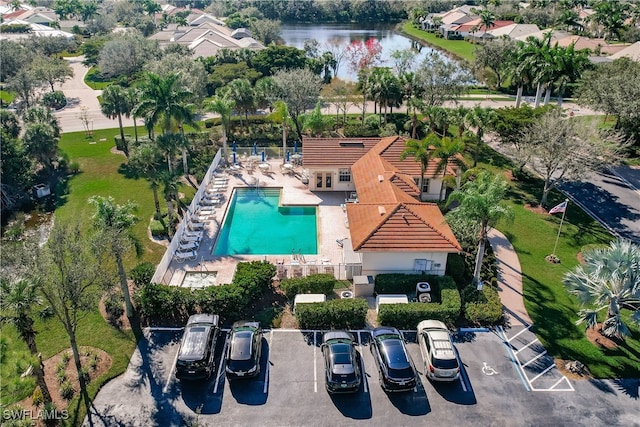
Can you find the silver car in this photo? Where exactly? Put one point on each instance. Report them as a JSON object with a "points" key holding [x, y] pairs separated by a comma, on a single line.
{"points": [[438, 354]]}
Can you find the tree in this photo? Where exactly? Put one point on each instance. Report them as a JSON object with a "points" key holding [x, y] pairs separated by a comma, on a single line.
{"points": [[114, 223], [16, 307], [146, 161], [440, 80], [480, 202], [44, 116], [446, 149], [609, 279], [71, 278], [487, 19], [52, 70], [300, 90], [25, 84], [193, 76], [276, 58], [536, 61], [481, 119], [241, 92], [420, 151], [568, 66], [281, 115], [41, 144], [114, 104], [495, 55], [223, 106], [610, 16], [126, 54], [170, 185], [266, 31], [559, 148], [340, 94], [361, 57]]}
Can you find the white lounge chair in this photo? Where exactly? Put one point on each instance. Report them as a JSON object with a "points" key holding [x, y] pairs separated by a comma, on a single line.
{"points": [[206, 210], [188, 247], [189, 233], [196, 225], [189, 239], [185, 256]]}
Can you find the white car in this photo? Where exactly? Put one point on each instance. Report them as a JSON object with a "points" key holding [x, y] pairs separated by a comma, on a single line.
{"points": [[438, 354]]}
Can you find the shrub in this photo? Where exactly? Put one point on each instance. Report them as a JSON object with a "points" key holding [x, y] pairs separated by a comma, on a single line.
{"points": [[54, 100], [482, 307], [37, 397], [51, 416], [74, 167], [61, 375], [312, 284], [84, 372], [66, 390], [61, 366], [93, 362], [142, 273], [158, 229], [406, 283], [335, 314], [114, 305], [66, 356]]}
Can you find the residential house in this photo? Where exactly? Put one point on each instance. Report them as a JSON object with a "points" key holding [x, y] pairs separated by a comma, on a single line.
{"points": [[391, 230]]}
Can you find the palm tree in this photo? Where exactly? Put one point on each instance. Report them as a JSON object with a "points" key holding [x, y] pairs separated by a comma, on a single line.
{"points": [[16, 305], [113, 104], [569, 65], [146, 160], [44, 116], [114, 221], [223, 106], [281, 115], [133, 95], [242, 93], [161, 101], [170, 191], [479, 118], [481, 202], [609, 278], [420, 150], [487, 19], [536, 59], [169, 143], [41, 144], [446, 149]]}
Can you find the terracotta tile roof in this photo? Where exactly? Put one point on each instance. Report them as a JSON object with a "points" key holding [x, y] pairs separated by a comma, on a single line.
{"points": [[400, 227], [335, 152]]}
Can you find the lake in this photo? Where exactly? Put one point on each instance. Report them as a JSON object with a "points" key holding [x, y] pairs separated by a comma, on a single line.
{"points": [[343, 34]]}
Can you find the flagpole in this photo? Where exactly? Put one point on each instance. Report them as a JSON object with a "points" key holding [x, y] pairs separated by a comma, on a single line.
{"points": [[560, 228]]}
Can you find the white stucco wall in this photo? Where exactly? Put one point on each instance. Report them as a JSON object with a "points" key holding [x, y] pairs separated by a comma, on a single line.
{"points": [[335, 180], [389, 262]]}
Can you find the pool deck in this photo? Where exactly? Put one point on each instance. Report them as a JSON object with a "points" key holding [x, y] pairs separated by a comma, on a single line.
{"points": [[330, 216]]}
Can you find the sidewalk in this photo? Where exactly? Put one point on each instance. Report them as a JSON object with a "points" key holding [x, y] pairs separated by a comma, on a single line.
{"points": [[509, 280]]}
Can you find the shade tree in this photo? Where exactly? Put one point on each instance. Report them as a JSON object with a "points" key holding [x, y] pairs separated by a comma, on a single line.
{"points": [[300, 90]]}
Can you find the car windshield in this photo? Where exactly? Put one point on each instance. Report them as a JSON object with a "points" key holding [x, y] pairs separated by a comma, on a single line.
{"points": [[195, 342], [395, 355], [241, 348], [444, 363]]}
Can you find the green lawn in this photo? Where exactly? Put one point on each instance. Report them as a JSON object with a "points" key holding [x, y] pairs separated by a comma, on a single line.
{"points": [[7, 97], [95, 81], [552, 309], [459, 48]]}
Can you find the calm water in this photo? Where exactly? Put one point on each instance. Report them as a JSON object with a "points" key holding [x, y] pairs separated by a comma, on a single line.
{"points": [[343, 34], [255, 224]]}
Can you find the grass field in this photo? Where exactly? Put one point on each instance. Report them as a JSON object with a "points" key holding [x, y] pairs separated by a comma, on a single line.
{"points": [[458, 48], [95, 81]]}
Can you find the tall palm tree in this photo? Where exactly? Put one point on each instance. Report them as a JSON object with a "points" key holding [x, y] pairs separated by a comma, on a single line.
{"points": [[420, 151], [223, 106], [446, 149], [146, 160], [242, 93], [44, 116], [114, 103], [487, 19], [114, 222], [608, 279], [281, 115], [16, 305], [163, 102], [133, 97], [169, 143], [170, 185], [481, 202], [569, 65], [479, 118], [537, 59]]}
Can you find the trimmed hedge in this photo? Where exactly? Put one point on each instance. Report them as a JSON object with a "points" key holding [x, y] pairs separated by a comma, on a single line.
{"points": [[349, 313], [176, 304], [407, 316], [482, 307], [406, 283], [142, 273], [312, 284]]}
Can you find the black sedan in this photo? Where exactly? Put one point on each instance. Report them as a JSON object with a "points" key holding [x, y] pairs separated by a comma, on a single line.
{"points": [[394, 365], [341, 362], [245, 349]]}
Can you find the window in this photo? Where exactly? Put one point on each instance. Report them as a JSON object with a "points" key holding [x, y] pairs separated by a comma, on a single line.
{"points": [[328, 180], [425, 184], [344, 175], [318, 180]]}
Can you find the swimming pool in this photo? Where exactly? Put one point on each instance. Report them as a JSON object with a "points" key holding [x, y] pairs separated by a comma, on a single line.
{"points": [[256, 224]]}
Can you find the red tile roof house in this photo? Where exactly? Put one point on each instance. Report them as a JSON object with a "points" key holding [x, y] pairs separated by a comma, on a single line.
{"points": [[391, 230]]}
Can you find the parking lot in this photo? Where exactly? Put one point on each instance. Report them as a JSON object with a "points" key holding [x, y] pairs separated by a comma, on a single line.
{"points": [[494, 389]]}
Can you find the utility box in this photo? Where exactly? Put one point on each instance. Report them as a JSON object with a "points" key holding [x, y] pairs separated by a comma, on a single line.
{"points": [[41, 190]]}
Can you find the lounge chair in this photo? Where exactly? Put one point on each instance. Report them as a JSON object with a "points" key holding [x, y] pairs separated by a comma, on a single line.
{"points": [[185, 256], [189, 233], [206, 210], [189, 239], [196, 225], [200, 217], [188, 247]]}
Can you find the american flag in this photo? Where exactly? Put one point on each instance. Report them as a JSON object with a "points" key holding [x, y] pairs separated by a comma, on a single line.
{"points": [[559, 208]]}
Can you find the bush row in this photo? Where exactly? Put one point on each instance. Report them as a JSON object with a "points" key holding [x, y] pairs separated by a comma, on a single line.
{"points": [[406, 283], [312, 284], [407, 316], [334, 314], [175, 304], [482, 307]]}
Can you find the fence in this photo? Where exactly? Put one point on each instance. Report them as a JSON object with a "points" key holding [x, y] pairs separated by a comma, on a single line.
{"points": [[164, 273]]}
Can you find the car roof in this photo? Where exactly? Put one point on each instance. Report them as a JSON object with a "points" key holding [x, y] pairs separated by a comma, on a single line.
{"points": [[385, 330], [395, 354], [431, 324], [337, 335], [203, 318], [242, 345], [195, 342], [245, 324], [442, 346]]}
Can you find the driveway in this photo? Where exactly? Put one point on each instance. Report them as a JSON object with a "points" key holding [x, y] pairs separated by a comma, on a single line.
{"points": [[504, 382]]}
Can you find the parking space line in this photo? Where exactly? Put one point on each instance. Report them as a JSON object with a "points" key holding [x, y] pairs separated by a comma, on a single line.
{"points": [[362, 368], [170, 377], [266, 371], [514, 359], [315, 365], [220, 370], [526, 346], [162, 328], [535, 358], [553, 387], [516, 335], [543, 372]]}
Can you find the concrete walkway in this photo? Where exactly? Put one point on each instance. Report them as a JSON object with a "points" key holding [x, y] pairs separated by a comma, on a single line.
{"points": [[509, 280]]}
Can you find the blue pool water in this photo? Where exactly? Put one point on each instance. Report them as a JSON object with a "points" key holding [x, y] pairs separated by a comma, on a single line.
{"points": [[255, 224]]}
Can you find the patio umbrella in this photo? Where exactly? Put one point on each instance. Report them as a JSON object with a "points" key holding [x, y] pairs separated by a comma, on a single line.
{"points": [[235, 147], [263, 155], [234, 157], [255, 149], [288, 156], [295, 146]]}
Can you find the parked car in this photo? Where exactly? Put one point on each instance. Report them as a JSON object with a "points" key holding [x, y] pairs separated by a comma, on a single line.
{"points": [[394, 365], [196, 355], [342, 367], [245, 349], [438, 354]]}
